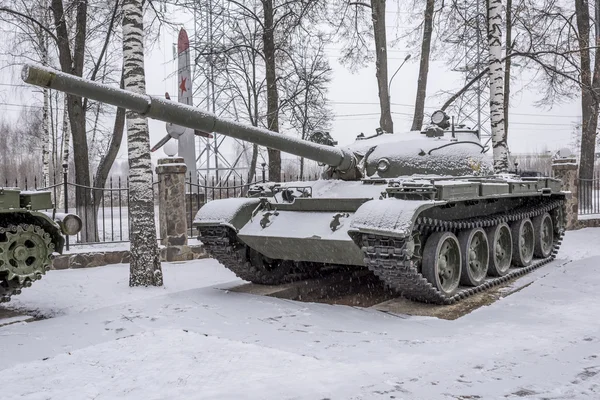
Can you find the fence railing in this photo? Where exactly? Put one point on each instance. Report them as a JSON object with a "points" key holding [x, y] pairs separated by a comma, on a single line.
{"points": [[202, 191], [589, 196]]}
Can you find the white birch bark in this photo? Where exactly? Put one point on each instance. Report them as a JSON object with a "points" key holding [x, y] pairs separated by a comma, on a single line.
{"points": [[500, 148], [46, 108], [145, 268], [46, 139], [66, 133], [65, 143]]}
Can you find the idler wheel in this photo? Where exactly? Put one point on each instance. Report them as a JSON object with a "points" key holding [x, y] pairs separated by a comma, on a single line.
{"points": [[501, 249], [523, 242], [442, 262], [544, 235], [475, 251]]}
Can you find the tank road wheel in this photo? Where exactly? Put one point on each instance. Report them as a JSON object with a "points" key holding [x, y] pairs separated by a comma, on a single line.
{"points": [[523, 242], [544, 235], [501, 249], [267, 271], [474, 247], [441, 262]]}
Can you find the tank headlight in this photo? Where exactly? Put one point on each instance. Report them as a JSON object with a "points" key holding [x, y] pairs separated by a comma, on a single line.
{"points": [[383, 165], [440, 119], [71, 224]]}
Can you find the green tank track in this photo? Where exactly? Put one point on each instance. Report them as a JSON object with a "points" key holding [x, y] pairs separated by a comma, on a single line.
{"points": [[221, 244], [13, 286], [387, 259]]}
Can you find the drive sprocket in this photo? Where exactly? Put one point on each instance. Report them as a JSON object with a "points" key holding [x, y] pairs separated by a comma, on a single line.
{"points": [[25, 255]]}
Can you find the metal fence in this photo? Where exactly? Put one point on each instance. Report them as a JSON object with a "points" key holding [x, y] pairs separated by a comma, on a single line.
{"points": [[589, 196], [201, 191], [105, 211]]}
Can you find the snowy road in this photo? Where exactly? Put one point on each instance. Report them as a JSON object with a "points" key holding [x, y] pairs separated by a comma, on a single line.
{"points": [[190, 340]]}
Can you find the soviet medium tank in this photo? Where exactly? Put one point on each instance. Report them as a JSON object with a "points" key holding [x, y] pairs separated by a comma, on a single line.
{"points": [[28, 237], [422, 210]]}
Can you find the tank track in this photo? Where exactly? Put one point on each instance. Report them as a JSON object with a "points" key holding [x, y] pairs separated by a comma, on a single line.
{"points": [[222, 245], [387, 258], [14, 286]]}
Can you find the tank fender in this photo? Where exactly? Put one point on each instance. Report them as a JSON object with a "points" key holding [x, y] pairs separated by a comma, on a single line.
{"points": [[388, 217], [234, 213]]}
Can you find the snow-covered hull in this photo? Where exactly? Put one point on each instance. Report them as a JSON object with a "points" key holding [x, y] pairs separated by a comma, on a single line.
{"points": [[400, 229]]}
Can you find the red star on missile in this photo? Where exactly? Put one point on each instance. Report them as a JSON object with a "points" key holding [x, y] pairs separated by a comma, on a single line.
{"points": [[182, 85]]}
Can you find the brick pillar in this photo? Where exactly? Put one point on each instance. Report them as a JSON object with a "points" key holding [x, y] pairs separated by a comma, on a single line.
{"points": [[171, 209], [566, 169]]}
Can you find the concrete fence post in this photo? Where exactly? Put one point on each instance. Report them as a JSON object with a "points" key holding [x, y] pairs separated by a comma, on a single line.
{"points": [[171, 209], [566, 169]]}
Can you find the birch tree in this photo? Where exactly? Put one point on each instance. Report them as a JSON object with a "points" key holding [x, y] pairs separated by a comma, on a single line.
{"points": [[145, 268], [43, 41], [496, 75]]}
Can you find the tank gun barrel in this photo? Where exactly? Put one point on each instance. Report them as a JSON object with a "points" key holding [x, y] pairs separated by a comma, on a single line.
{"points": [[184, 115]]}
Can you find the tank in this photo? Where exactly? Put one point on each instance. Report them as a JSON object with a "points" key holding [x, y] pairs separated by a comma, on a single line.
{"points": [[422, 210], [29, 237]]}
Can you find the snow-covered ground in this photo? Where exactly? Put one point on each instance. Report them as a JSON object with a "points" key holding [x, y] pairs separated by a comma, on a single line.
{"points": [[192, 339]]}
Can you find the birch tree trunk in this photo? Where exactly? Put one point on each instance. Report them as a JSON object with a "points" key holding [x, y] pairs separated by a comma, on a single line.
{"points": [[507, 64], [66, 132], [499, 145], [423, 67], [46, 108], [381, 69], [145, 268], [46, 139], [66, 142]]}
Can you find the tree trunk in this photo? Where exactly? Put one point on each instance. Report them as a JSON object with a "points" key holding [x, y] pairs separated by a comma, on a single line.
{"points": [[253, 161], [108, 159], [46, 139], [381, 70], [73, 64], [46, 108], [424, 67], [145, 268], [507, 64], [496, 86], [589, 103], [272, 93], [66, 142]]}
